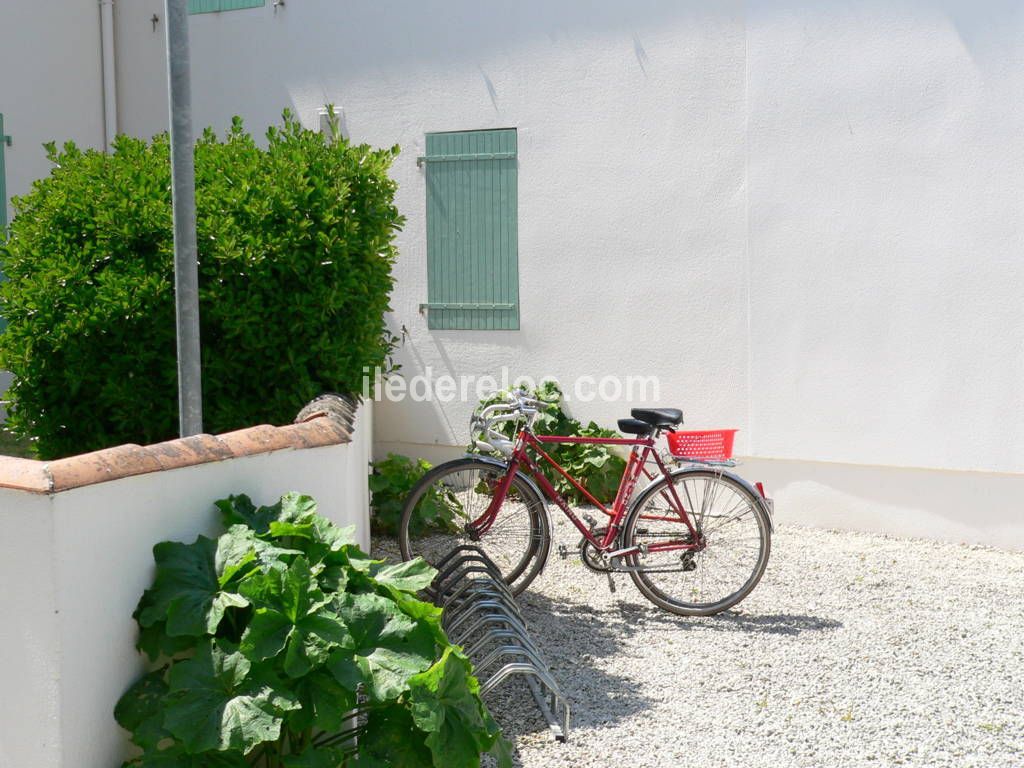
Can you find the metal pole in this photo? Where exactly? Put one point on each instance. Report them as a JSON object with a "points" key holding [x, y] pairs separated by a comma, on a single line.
{"points": [[183, 180]]}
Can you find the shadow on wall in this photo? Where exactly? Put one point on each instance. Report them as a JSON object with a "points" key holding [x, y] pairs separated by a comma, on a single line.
{"points": [[429, 427], [971, 507], [468, 30]]}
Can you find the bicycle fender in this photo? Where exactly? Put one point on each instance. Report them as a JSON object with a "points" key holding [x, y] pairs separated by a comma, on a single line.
{"points": [[769, 510]]}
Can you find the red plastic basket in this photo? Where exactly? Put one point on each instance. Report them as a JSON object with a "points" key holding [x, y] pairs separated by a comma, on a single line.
{"points": [[713, 444]]}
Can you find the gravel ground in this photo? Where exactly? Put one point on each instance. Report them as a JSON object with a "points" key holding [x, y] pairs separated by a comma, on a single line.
{"points": [[854, 650]]}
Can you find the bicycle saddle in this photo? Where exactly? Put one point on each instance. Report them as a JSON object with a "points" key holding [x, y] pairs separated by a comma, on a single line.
{"points": [[659, 417], [635, 427]]}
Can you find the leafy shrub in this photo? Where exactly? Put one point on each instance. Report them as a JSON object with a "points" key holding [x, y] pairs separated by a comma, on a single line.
{"points": [[295, 256], [392, 481], [267, 638], [598, 467]]}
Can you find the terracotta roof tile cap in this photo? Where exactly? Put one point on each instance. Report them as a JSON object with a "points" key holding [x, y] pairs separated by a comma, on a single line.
{"points": [[325, 421]]}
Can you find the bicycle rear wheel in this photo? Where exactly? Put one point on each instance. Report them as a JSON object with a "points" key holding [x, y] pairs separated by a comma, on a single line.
{"points": [[441, 508], [727, 516]]}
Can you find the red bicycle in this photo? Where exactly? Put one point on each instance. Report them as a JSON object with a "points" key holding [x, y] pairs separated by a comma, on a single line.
{"points": [[695, 540]]}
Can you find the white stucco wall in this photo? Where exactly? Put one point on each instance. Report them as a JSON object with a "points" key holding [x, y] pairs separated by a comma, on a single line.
{"points": [[52, 82], [886, 233], [961, 507], [631, 167], [73, 566], [805, 218], [29, 634]]}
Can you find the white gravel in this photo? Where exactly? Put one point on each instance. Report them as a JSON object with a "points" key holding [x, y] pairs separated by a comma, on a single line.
{"points": [[854, 650]]}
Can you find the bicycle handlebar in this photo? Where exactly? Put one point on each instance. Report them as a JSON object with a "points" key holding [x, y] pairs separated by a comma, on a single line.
{"points": [[517, 404]]}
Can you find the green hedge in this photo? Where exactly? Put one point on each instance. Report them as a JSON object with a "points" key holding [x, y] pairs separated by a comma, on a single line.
{"points": [[295, 251]]}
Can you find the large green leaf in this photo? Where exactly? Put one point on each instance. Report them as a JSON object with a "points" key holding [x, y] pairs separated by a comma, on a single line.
{"points": [[423, 613], [386, 647], [408, 576], [239, 509], [445, 703], [323, 757], [392, 739], [218, 701], [325, 703], [140, 710], [154, 640], [177, 757], [293, 615], [327, 542], [240, 550], [290, 508], [187, 592], [292, 518]]}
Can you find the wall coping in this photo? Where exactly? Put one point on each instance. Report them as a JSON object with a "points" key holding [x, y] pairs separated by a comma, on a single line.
{"points": [[325, 421]]}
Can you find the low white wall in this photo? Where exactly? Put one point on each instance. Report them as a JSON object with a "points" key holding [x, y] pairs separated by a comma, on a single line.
{"points": [[73, 566], [29, 634], [964, 507]]}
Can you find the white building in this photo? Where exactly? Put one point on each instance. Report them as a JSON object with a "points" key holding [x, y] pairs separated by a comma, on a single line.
{"points": [[806, 219]]}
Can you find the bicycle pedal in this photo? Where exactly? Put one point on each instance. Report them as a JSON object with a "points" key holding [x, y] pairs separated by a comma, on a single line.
{"points": [[563, 551], [611, 583]]}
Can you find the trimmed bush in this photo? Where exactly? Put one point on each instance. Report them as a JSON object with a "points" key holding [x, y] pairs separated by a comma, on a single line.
{"points": [[295, 255]]}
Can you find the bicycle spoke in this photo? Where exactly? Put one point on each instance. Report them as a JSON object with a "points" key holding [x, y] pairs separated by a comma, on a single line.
{"points": [[730, 560], [513, 537]]}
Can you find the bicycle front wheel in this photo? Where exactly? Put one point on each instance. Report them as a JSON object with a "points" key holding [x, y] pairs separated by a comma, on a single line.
{"points": [[440, 513], [730, 521]]}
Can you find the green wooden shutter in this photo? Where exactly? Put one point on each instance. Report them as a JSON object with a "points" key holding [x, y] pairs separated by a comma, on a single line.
{"points": [[212, 6], [472, 232]]}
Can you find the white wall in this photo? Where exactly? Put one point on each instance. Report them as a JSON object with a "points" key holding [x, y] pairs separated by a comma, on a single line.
{"points": [[881, 146], [631, 167], [74, 565], [886, 232], [961, 507], [805, 218], [29, 634], [52, 86]]}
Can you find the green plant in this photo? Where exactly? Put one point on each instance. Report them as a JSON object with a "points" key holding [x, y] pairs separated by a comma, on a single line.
{"points": [[280, 641], [391, 482], [597, 467], [295, 255]]}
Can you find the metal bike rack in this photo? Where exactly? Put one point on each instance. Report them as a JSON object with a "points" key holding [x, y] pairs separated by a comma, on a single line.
{"points": [[481, 615]]}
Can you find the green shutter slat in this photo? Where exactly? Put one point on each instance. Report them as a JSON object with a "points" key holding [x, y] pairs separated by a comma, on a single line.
{"points": [[203, 6], [472, 247], [213, 6]]}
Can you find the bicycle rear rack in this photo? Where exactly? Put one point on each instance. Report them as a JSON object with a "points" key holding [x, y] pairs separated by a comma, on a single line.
{"points": [[481, 615]]}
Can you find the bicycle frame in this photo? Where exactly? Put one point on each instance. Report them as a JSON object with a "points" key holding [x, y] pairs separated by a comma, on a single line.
{"points": [[642, 450]]}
